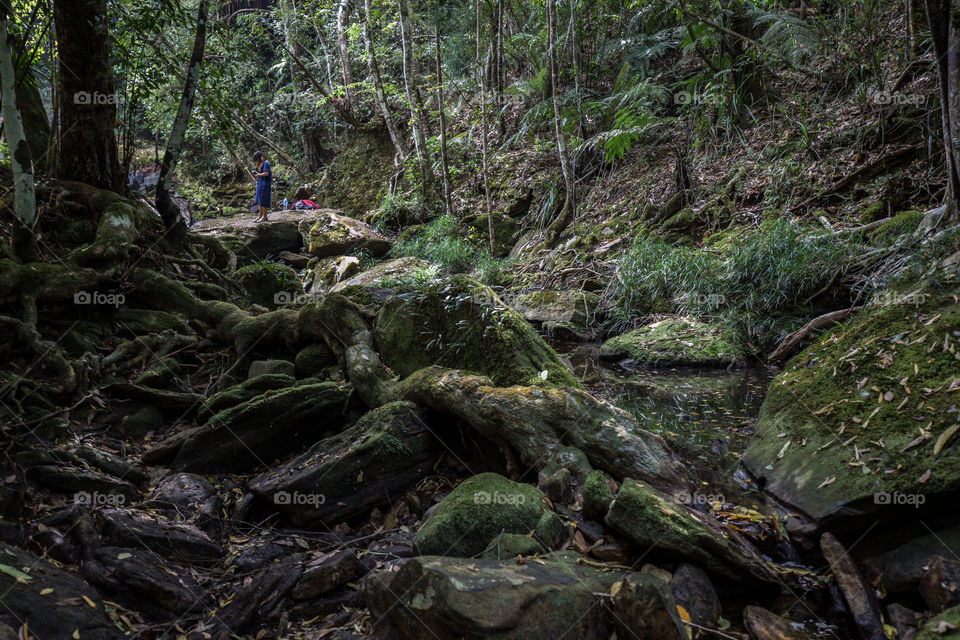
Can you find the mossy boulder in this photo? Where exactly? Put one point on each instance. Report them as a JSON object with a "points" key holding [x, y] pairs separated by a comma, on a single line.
{"points": [[904, 223], [463, 324], [506, 231], [386, 274], [269, 284], [864, 420], [313, 359], [367, 465], [260, 241], [354, 179], [511, 545], [330, 271], [270, 367], [140, 321], [597, 496], [945, 626], [872, 211], [568, 314], [674, 342], [440, 598], [479, 510], [333, 234], [673, 532]]}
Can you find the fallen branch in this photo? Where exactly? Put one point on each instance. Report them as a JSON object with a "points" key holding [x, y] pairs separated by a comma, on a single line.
{"points": [[790, 343]]}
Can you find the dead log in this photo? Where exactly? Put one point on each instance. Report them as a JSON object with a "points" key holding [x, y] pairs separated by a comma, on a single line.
{"points": [[790, 343]]}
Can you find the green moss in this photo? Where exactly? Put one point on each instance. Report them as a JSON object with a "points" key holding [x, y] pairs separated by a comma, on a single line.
{"points": [[597, 495], [313, 359], [479, 510], [265, 280], [510, 545], [354, 180], [851, 403], [931, 630], [905, 222], [462, 324], [872, 211], [674, 341]]}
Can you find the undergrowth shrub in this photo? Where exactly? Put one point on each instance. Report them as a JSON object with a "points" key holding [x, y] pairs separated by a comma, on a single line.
{"points": [[757, 288]]}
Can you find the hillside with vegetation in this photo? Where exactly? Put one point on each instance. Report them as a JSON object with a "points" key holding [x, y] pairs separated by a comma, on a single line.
{"points": [[500, 319]]}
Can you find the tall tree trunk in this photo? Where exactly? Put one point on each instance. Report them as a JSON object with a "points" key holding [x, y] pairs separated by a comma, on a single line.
{"points": [[575, 64], [381, 97], [501, 74], [558, 226], [168, 211], [289, 24], [445, 167], [483, 134], [418, 119], [944, 19], [88, 110], [343, 15], [24, 194]]}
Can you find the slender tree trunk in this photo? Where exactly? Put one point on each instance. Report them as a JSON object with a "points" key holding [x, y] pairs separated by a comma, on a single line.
{"points": [[569, 204], [483, 134], [343, 16], [501, 73], [944, 19], [445, 167], [24, 194], [168, 211], [381, 97], [289, 36], [88, 110], [574, 60], [418, 119]]}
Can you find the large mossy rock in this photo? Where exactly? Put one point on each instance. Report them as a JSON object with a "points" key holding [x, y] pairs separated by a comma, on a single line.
{"points": [[438, 598], [24, 581], [386, 274], [568, 314], [269, 284], [864, 421], [540, 423], [333, 234], [261, 241], [506, 231], [674, 342], [264, 428], [479, 510], [379, 458], [674, 532], [462, 324]]}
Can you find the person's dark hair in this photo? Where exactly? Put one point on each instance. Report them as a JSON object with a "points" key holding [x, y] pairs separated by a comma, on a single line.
{"points": [[258, 155]]}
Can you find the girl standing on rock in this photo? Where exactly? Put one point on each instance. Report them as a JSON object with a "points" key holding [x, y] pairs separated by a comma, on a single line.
{"points": [[264, 177]]}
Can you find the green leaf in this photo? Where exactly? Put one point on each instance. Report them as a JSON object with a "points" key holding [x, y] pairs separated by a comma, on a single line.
{"points": [[16, 573]]}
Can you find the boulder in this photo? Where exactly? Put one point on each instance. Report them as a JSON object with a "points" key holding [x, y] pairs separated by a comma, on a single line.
{"points": [[176, 541], [644, 608], [460, 323], [691, 589], [567, 315], [380, 457], [186, 496], [385, 274], [674, 532], [332, 234], [479, 510], [940, 584], [766, 625], [330, 271], [597, 496], [146, 583], [325, 573], [888, 376], [269, 284], [24, 583], [258, 242], [313, 359], [440, 598], [264, 428], [506, 231], [674, 342]]}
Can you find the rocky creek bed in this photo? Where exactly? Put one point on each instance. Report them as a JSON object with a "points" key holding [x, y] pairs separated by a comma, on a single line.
{"points": [[384, 458]]}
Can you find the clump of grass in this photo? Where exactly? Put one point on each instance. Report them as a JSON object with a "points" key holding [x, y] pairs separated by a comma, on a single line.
{"points": [[441, 242], [757, 289]]}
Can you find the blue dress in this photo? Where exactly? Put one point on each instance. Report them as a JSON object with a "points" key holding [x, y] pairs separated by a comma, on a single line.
{"points": [[262, 196]]}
